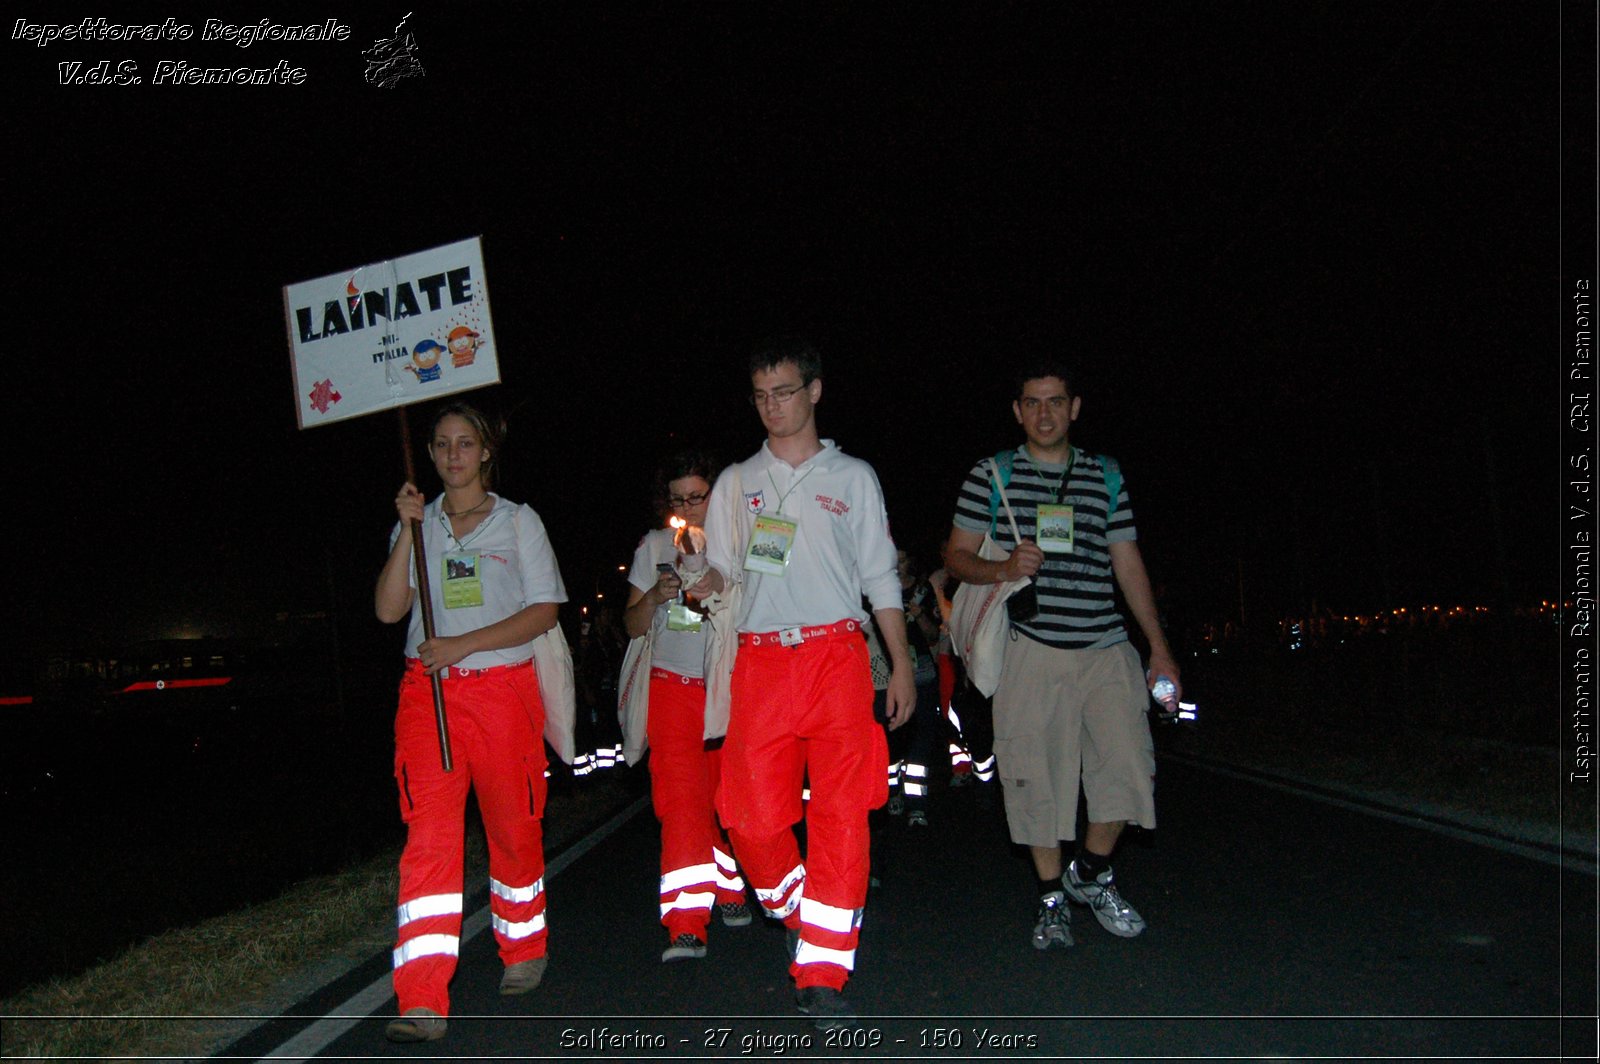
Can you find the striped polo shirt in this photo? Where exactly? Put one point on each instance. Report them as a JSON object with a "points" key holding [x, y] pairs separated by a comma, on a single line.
{"points": [[1077, 606]]}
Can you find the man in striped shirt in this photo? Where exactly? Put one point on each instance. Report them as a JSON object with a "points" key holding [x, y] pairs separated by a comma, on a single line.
{"points": [[1072, 698]]}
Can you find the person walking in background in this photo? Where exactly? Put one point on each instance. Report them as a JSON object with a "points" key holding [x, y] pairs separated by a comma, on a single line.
{"points": [[944, 585], [495, 588], [879, 666], [600, 650], [697, 869], [1072, 698], [912, 747], [968, 714], [804, 528]]}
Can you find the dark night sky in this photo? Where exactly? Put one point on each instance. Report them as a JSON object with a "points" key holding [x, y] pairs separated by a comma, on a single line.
{"points": [[1303, 252]]}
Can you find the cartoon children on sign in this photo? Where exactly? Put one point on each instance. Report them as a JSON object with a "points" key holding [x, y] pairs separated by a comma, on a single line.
{"points": [[425, 357], [464, 344]]}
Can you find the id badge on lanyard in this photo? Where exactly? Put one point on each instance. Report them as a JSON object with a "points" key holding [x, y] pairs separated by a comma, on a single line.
{"points": [[680, 618], [463, 586], [1055, 528], [771, 544]]}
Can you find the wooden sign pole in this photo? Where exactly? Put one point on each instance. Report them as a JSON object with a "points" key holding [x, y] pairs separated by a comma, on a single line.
{"points": [[420, 559]]}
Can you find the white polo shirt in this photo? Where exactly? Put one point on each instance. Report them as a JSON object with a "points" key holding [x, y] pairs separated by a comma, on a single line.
{"points": [[514, 562], [842, 550], [681, 652]]}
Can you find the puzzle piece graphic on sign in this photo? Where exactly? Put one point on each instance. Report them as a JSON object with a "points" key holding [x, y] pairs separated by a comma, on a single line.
{"points": [[323, 396]]}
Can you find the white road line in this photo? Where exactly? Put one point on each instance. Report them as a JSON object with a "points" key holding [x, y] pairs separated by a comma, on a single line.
{"points": [[361, 1005]]}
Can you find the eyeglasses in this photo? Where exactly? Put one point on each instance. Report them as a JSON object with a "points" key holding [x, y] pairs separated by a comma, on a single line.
{"points": [[678, 502], [777, 395]]}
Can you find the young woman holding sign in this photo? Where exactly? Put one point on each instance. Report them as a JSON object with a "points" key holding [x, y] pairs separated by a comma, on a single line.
{"points": [[495, 588]]}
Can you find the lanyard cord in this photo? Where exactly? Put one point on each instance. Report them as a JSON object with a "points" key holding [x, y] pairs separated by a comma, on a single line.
{"points": [[1058, 494], [450, 531], [1061, 484], [783, 496]]}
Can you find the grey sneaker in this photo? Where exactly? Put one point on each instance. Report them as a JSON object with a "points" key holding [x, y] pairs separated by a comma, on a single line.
{"points": [[684, 948], [897, 804], [827, 1006], [416, 1025], [734, 913], [916, 819], [1103, 899], [1052, 927], [523, 976]]}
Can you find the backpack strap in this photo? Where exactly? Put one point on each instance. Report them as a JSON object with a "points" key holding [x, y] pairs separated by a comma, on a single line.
{"points": [[1002, 463], [1109, 469], [1113, 475]]}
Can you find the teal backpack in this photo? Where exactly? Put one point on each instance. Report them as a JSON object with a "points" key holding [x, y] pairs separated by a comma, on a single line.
{"points": [[1002, 461]]}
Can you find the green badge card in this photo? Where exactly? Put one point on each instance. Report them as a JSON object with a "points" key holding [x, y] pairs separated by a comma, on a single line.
{"points": [[1055, 528], [680, 618], [462, 584], [771, 542]]}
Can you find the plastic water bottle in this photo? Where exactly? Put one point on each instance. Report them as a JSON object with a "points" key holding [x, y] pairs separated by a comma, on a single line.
{"points": [[1165, 692]]}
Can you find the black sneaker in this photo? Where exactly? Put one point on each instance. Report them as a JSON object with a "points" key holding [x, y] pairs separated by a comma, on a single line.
{"points": [[685, 947], [827, 1006], [734, 913]]}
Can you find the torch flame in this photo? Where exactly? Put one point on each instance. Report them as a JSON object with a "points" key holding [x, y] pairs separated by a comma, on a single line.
{"points": [[691, 544], [677, 522]]}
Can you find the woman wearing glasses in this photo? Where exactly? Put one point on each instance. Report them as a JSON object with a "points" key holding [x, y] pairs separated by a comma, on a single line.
{"points": [[697, 870]]}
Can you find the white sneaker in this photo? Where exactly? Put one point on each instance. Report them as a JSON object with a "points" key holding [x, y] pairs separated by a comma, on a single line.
{"points": [[1103, 899], [1052, 927]]}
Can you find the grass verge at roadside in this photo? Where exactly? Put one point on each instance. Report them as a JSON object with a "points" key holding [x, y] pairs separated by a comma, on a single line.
{"points": [[184, 993]]}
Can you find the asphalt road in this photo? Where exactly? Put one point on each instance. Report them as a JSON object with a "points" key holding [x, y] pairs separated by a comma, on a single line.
{"points": [[1279, 926]]}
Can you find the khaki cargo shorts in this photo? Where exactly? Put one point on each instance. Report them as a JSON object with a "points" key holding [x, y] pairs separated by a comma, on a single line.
{"points": [[1064, 714]]}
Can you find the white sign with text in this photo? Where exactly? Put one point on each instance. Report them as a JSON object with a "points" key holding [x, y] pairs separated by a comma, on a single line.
{"points": [[408, 330]]}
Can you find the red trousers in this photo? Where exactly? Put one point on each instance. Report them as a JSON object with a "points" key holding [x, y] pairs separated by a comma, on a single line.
{"points": [[805, 712], [496, 743], [696, 868], [960, 759]]}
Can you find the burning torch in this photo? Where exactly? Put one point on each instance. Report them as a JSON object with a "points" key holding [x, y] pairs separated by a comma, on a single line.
{"points": [[691, 544]]}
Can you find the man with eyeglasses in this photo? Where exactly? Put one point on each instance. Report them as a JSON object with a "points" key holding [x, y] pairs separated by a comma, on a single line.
{"points": [[1072, 699], [803, 527]]}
